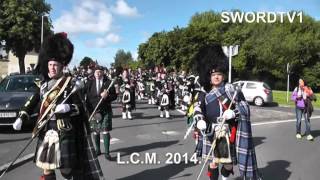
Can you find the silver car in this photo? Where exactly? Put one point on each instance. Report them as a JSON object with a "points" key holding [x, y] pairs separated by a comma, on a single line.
{"points": [[256, 92]]}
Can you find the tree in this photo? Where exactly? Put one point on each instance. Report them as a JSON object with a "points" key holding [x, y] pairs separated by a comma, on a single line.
{"points": [[20, 26], [265, 49], [122, 58], [135, 65], [86, 61]]}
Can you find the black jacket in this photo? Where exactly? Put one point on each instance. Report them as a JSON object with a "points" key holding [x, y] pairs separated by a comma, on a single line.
{"points": [[92, 98]]}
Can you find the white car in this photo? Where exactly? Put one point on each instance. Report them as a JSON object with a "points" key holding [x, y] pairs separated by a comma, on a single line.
{"points": [[256, 92]]}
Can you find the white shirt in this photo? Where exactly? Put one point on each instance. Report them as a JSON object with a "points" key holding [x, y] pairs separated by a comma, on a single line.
{"points": [[98, 85]]}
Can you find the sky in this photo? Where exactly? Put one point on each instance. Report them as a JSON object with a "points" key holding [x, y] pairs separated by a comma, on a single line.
{"points": [[99, 28]]}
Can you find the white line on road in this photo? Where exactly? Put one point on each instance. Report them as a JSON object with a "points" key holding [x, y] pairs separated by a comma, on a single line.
{"points": [[30, 156], [24, 158], [113, 141], [170, 133], [267, 122], [180, 111], [280, 121]]}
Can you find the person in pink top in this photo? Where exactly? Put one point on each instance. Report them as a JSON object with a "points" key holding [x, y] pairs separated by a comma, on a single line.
{"points": [[302, 96]]}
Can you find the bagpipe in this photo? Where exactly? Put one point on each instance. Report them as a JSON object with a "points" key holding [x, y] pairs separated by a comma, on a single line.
{"points": [[47, 106], [218, 129]]}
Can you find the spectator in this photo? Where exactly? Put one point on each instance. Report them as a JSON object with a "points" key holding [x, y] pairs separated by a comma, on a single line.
{"points": [[302, 96]]}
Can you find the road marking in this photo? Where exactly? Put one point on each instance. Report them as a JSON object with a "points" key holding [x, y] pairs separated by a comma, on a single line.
{"points": [[267, 122], [144, 136], [31, 155], [22, 159], [180, 111], [174, 133], [113, 141], [280, 121]]}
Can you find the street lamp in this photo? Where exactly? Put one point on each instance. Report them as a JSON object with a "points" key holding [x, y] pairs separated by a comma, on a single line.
{"points": [[288, 80], [42, 27], [230, 51]]}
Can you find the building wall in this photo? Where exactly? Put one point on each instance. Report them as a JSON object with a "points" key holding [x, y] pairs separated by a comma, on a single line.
{"points": [[3, 69], [13, 65]]}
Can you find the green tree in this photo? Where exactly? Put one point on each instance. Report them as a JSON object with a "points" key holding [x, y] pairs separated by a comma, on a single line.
{"points": [[122, 58], [20, 26], [265, 49], [135, 64]]}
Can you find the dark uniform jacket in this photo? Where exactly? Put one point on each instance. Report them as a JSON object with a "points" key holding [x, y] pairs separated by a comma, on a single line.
{"points": [[93, 98], [75, 144]]}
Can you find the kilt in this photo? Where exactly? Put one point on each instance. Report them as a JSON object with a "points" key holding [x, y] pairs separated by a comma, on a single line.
{"points": [[91, 169], [105, 124], [126, 106], [224, 152], [151, 94], [68, 146]]}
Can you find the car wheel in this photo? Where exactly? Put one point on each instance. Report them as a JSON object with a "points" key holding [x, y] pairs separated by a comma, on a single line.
{"points": [[258, 101]]}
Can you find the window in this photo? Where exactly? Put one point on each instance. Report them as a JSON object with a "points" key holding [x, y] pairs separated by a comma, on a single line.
{"points": [[266, 86], [240, 84], [251, 85], [23, 83], [4, 84]]}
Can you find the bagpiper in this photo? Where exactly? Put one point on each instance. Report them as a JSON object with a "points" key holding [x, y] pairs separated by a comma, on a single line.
{"points": [[96, 90], [64, 141], [223, 119], [164, 100], [186, 95], [151, 90], [127, 101], [141, 89], [170, 83]]}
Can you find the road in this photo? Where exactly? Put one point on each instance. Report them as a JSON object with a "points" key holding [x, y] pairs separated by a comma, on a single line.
{"points": [[280, 155]]}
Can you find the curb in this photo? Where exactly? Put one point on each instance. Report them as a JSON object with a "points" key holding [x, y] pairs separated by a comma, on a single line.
{"points": [[18, 163]]}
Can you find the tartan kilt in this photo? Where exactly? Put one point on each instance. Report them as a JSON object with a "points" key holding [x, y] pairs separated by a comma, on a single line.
{"points": [[91, 169], [206, 146], [151, 94], [126, 106], [103, 125], [68, 148]]}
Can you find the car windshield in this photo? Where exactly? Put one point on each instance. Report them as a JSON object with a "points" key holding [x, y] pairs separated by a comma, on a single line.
{"points": [[18, 84]]}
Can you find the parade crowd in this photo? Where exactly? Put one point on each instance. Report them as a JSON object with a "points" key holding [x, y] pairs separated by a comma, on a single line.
{"points": [[76, 111]]}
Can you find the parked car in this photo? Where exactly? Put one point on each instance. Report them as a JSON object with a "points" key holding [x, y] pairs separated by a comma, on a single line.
{"points": [[258, 93], [15, 90]]}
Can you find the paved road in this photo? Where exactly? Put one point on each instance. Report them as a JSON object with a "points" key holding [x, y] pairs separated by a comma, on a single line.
{"points": [[280, 155]]}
